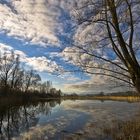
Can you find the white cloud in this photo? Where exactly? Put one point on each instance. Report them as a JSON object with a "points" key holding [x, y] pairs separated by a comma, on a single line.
{"points": [[8, 49], [69, 77], [96, 84], [5, 48], [33, 20], [41, 64], [37, 21]]}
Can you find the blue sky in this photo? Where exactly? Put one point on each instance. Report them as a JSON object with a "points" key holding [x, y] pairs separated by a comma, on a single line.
{"points": [[35, 50], [41, 31], [61, 36]]}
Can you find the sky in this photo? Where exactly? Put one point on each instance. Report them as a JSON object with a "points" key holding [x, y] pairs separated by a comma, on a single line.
{"points": [[40, 31]]}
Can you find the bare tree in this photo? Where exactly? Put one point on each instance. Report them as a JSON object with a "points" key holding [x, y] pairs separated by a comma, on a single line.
{"points": [[111, 40], [9, 63], [16, 74], [18, 81], [14, 78], [45, 87], [48, 86], [31, 79]]}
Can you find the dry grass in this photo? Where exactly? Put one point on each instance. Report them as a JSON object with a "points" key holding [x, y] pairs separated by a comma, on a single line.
{"points": [[129, 130], [114, 98], [119, 98]]}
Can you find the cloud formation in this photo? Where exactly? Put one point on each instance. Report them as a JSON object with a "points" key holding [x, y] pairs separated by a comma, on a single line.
{"points": [[97, 84], [35, 21], [101, 78], [44, 21], [41, 64]]}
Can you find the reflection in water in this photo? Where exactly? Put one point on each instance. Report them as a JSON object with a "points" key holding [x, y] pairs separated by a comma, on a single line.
{"points": [[74, 120], [17, 119]]}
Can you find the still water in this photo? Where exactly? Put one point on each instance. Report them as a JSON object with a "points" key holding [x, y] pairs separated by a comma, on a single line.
{"points": [[69, 120]]}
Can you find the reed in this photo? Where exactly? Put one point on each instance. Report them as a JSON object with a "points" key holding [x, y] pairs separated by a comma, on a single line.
{"points": [[128, 130]]}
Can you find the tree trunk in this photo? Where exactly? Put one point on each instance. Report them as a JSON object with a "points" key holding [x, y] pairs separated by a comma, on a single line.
{"points": [[137, 84]]}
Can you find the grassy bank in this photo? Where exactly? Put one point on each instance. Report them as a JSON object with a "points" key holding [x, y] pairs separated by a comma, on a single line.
{"points": [[118, 98], [103, 98]]}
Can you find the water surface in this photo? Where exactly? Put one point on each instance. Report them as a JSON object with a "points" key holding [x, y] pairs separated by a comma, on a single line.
{"points": [[69, 119]]}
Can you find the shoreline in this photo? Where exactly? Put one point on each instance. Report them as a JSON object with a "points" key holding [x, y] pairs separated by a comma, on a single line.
{"points": [[13, 100], [10, 101], [105, 98]]}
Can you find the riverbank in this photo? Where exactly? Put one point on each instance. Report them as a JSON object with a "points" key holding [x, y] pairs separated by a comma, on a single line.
{"points": [[105, 97], [25, 98], [8, 102], [22, 97]]}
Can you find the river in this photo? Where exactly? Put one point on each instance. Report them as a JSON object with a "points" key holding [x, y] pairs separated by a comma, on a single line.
{"points": [[70, 120]]}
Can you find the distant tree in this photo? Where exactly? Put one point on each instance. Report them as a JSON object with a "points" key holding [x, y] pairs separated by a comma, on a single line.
{"points": [[18, 80], [48, 86], [9, 65], [16, 74], [53, 91], [59, 92], [31, 78], [45, 87], [42, 87], [14, 78]]}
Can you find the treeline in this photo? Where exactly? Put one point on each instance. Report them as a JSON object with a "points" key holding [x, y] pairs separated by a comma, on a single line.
{"points": [[14, 79]]}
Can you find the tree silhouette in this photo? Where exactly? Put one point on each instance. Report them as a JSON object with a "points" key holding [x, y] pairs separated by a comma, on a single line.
{"points": [[109, 27]]}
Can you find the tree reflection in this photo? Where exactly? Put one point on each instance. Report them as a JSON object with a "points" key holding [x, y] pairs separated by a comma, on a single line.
{"points": [[17, 119]]}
